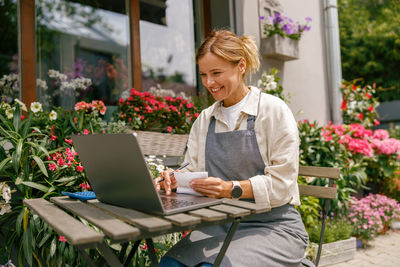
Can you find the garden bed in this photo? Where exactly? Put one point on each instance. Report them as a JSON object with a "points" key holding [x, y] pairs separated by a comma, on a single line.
{"points": [[339, 251]]}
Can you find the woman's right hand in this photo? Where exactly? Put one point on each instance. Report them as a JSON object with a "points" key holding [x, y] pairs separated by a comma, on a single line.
{"points": [[169, 182]]}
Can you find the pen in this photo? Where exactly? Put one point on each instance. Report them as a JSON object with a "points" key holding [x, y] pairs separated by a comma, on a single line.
{"points": [[180, 168]]}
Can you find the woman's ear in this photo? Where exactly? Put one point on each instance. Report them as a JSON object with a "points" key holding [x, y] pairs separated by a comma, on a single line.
{"points": [[242, 65]]}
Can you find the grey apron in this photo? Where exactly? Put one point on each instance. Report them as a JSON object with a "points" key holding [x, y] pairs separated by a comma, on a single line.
{"points": [[275, 238]]}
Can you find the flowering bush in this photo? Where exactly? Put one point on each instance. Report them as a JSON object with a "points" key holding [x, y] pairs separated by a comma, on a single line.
{"points": [[359, 104], [285, 26], [370, 215], [143, 111], [269, 83]]}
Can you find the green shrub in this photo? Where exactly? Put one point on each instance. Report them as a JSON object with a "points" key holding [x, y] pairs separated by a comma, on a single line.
{"points": [[335, 230]]}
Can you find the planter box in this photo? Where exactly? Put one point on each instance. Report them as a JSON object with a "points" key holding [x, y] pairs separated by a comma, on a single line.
{"points": [[339, 251], [279, 47], [155, 143]]}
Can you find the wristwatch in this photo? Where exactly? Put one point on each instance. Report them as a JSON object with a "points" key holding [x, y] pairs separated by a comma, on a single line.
{"points": [[236, 190]]}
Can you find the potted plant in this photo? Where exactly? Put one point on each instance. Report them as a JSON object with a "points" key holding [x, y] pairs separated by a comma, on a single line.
{"points": [[282, 37], [162, 123]]}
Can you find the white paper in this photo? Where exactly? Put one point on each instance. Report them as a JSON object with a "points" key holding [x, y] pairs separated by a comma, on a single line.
{"points": [[184, 179]]}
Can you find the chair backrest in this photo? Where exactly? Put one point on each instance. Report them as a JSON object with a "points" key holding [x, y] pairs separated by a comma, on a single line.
{"points": [[319, 191]]}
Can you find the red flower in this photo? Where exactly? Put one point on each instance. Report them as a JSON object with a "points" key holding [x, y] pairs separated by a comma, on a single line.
{"points": [[344, 105], [53, 138], [368, 95], [62, 239], [121, 100], [354, 87], [169, 129], [361, 116], [22, 117], [196, 114], [86, 131], [376, 122], [69, 141], [371, 108]]}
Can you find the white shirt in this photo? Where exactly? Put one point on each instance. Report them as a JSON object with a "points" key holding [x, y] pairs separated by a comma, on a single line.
{"points": [[231, 114], [277, 138]]}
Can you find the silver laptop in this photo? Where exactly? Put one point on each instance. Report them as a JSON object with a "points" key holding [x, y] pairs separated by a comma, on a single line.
{"points": [[118, 174]]}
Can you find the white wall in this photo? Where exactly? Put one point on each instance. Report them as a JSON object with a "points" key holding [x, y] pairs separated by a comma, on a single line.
{"points": [[305, 79]]}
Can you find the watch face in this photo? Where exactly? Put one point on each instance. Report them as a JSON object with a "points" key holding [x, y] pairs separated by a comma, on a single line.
{"points": [[236, 192]]}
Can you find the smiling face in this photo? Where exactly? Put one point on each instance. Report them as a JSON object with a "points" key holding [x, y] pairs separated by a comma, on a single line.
{"points": [[223, 79]]}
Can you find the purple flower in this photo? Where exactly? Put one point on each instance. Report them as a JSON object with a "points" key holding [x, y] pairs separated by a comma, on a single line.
{"points": [[307, 28], [308, 19], [277, 18], [288, 30], [261, 18]]}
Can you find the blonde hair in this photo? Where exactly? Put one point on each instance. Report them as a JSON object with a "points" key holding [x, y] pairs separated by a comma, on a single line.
{"points": [[230, 47]]}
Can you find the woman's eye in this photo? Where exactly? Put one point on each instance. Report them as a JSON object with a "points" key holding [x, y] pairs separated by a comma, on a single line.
{"points": [[202, 74], [216, 73]]}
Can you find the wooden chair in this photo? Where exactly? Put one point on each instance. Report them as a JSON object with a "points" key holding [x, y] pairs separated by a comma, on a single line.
{"points": [[327, 193]]}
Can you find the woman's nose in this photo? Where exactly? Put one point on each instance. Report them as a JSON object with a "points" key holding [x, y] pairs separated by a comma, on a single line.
{"points": [[209, 81]]}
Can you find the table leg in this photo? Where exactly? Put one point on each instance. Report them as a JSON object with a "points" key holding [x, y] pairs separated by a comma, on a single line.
{"points": [[152, 252], [132, 252], [108, 255], [227, 241], [86, 257], [123, 251]]}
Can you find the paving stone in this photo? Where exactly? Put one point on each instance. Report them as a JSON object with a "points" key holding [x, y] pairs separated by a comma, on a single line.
{"points": [[383, 252]]}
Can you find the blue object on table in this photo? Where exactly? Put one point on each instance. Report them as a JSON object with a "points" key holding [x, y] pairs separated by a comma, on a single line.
{"points": [[86, 195]]}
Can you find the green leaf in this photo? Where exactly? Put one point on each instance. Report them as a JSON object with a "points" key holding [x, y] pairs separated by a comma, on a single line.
{"points": [[44, 239], [26, 124], [39, 147], [53, 247], [18, 223], [17, 155], [4, 162], [27, 243], [41, 165], [36, 186], [66, 179], [17, 118]]}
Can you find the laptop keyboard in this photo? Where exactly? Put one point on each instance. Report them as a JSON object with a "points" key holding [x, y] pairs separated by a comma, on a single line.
{"points": [[172, 203]]}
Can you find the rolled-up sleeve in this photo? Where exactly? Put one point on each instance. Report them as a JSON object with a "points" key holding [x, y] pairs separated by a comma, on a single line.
{"points": [[281, 147]]}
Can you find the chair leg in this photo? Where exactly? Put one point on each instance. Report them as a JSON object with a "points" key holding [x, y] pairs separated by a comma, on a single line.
{"points": [[109, 255], [123, 251], [86, 257], [227, 241], [321, 238]]}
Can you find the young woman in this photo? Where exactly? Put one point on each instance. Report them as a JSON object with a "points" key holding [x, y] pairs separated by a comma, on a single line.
{"points": [[248, 143]]}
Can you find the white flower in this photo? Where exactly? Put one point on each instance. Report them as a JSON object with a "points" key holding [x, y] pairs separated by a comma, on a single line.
{"points": [[273, 85], [36, 107], [41, 83], [4, 208], [5, 105], [6, 192], [57, 75], [270, 78], [21, 104], [10, 113], [53, 115]]}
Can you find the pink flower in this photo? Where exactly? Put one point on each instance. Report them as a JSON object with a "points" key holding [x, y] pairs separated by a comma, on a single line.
{"points": [[62, 239], [53, 138], [79, 168], [169, 129], [189, 105], [81, 105], [69, 141], [381, 134], [52, 166], [86, 132]]}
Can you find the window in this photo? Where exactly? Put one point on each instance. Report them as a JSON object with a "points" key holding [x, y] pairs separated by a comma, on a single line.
{"points": [[167, 45], [9, 88], [81, 39]]}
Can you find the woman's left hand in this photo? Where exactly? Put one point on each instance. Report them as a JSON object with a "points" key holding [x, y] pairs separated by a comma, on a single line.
{"points": [[212, 187]]}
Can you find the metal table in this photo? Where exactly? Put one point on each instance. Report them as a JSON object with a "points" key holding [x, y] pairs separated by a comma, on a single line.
{"points": [[122, 225]]}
